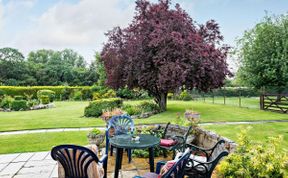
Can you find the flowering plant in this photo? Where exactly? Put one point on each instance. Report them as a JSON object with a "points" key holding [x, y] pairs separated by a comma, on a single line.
{"points": [[106, 115]]}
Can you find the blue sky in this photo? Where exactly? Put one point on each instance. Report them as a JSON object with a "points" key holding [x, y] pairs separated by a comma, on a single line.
{"points": [[80, 24]]}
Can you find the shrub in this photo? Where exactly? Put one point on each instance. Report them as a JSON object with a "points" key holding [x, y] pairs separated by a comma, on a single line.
{"points": [[44, 99], [109, 94], [77, 96], [18, 105], [132, 109], [6, 102], [148, 106], [2, 93], [255, 160], [170, 95], [96, 107], [49, 93], [18, 97], [33, 102], [185, 95]]}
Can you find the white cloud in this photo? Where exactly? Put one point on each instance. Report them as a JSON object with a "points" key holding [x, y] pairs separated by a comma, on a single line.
{"points": [[79, 26]]}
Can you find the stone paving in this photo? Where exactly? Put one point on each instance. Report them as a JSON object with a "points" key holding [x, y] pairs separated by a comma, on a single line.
{"points": [[41, 165]]}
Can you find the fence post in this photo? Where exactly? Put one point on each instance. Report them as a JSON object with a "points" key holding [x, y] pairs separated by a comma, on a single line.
{"points": [[262, 102]]}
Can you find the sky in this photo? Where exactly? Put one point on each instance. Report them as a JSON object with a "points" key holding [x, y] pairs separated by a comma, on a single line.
{"points": [[29, 25]]}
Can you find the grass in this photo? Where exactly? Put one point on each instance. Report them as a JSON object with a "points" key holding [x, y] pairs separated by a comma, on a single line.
{"points": [[65, 114], [40, 141], [70, 114], [45, 141], [258, 132]]}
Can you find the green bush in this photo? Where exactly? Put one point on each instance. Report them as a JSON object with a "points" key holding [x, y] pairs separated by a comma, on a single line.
{"points": [[96, 107], [33, 102], [148, 106], [18, 97], [170, 95], [49, 93], [2, 93], [77, 96], [61, 92], [44, 99], [18, 105], [132, 109], [185, 95], [6, 102], [255, 160], [107, 94]]}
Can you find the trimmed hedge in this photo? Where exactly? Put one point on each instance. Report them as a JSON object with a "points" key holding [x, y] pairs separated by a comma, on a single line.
{"points": [[61, 92], [96, 107]]}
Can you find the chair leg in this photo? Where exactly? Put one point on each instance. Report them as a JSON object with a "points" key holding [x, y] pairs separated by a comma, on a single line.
{"points": [[174, 154], [111, 150], [165, 153]]}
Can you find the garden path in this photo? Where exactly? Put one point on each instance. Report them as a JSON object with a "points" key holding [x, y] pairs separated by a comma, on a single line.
{"points": [[103, 128]]}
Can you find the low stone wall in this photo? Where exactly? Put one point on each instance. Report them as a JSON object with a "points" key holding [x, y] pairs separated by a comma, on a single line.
{"points": [[208, 139]]}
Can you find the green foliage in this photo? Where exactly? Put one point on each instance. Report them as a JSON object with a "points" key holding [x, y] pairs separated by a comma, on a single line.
{"points": [[255, 160], [49, 93], [18, 105], [185, 95], [2, 93], [6, 102], [132, 109], [96, 107], [94, 132], [263, 54], [18, 97], [77, 96], [148, 106], [33, 102], [104, 94], [170, 95], [44, 99], [109, 94]]}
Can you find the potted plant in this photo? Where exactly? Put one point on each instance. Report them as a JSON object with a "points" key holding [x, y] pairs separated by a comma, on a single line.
{"points": [[95, 136]]}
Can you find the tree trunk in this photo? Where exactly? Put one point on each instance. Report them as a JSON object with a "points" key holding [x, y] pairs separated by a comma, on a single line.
{"points": [[161, 100]]}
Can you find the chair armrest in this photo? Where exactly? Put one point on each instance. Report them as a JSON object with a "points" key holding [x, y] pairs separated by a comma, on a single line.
{"points": [[159, 166], [178, 138], [103, 158]]}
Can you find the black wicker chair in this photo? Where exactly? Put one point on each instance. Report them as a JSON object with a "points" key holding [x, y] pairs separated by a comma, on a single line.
{"points": [[76, 160], [177, 133], [203, 169]]}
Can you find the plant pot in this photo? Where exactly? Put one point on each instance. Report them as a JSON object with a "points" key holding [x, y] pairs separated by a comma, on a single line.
{"points": [[97, 140]]}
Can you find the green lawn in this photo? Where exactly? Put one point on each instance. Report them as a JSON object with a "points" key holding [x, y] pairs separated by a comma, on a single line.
{"points": [[70, 114], [45, 141], [259, 132]]}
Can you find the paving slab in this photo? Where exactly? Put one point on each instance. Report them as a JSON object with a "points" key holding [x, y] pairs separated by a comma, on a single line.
{"points": [[23, 157], [39, 156], [11, 169], [2, 166], [7, 158]]}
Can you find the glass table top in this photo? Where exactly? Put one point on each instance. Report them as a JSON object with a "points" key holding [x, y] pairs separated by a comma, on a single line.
{"points": [[125, 141]]}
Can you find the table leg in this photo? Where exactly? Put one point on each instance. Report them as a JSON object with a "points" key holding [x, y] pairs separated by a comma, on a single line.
{"points": [[121, 158], [151, 159], [118, 162]]}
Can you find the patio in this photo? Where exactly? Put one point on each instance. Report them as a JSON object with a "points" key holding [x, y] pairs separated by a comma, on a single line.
{"points": [[40, 164]]}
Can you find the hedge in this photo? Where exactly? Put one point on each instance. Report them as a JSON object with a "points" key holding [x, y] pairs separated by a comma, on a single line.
{"points": [[61, 92], [96, 107]]}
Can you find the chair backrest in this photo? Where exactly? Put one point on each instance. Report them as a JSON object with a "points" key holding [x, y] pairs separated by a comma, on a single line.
{"points": [[74, 159], [177, 170], [121, 124], [176, 130]]}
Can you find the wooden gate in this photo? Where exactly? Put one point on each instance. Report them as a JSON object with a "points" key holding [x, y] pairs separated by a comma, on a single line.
{"points": [[274, 102]]}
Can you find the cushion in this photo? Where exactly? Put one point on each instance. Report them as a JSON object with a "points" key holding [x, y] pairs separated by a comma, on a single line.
{"points": [[166, 167], [167, 142], [193, 157]]}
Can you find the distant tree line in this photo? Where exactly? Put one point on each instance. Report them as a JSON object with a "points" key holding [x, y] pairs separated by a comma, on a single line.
{"points": [[46, 67]]}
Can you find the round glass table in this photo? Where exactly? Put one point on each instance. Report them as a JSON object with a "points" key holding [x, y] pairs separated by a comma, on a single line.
{"points": [[121, 142]]}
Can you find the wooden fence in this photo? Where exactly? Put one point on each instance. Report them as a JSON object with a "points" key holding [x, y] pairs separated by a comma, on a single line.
{"points": [[274, 102]]}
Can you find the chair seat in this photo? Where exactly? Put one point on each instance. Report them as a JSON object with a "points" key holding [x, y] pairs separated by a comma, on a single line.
{"points": [[167, 142], [150, 175]]}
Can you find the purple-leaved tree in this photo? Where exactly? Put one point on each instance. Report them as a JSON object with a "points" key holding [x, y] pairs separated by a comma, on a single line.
{"points": [[164, 49]]}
